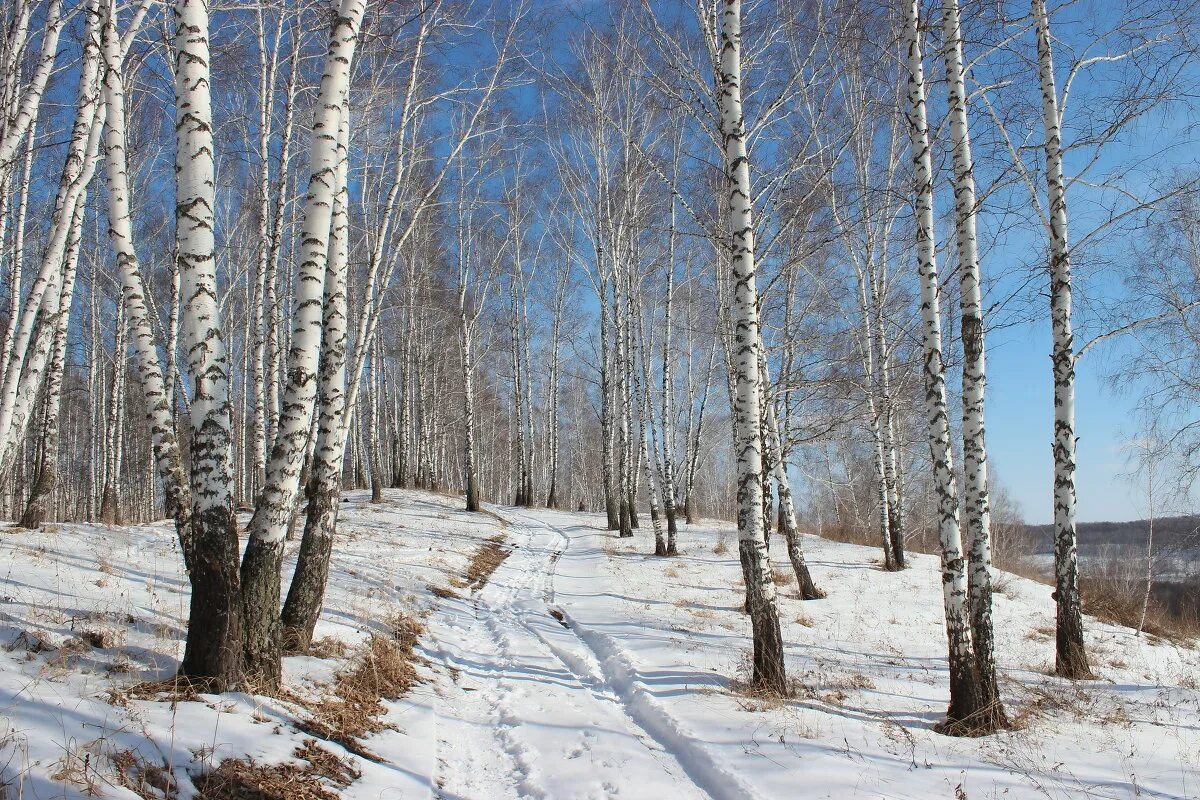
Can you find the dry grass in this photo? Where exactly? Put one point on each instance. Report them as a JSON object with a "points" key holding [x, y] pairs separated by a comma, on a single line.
{"points": [[1042, 700], [78, 768], [327, 647], [486, 560], [243, 779], [341, 772], [147, 781], [1117, 603], [751, 696], [101, 638], [176, 689], [34, 641], [442, 592], [783, 577], [1039, 633], [384, 668]]}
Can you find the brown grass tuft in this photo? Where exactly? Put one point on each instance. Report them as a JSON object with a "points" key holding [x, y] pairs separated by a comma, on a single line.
{"points": [[384, 668], [101, 638], [443, 592], [243, 779], [755, 697], [327, 647], [341, 772], [1043, 700], [176, 689], [148, 781], [486, 560]]}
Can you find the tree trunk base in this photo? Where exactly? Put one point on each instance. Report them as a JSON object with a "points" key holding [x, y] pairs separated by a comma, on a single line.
{"points": [[1073, 664], [306, 593], [212, 655], [768, 677], [262, 634], [109, 512], [37, 509]]}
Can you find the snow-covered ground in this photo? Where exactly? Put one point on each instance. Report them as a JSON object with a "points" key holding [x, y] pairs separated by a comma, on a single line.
{"points": [[583, 669]]}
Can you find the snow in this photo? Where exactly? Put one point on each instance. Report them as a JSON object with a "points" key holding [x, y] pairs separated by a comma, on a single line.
{"points": [[584, 669]]}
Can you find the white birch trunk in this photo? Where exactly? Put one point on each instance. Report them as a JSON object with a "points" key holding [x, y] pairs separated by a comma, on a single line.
{"points": [[167, 459], [976, 502], [45, 479], [26, 367], [650, 454], [670, 494], [768, 668], [211, 654], [307, 590], [964, 690], [787, 510], [261, 564], [31, 99], [1071, 659], [17, 258]]}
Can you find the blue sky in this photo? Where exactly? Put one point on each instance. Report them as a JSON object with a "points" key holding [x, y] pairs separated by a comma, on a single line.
{"points": [[1020, 412]]}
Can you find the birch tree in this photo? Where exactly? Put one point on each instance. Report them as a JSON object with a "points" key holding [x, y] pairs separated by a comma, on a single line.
{"points": [[30, 98], [31, 344], [976, 500], [168, 461], [260, 577], [212, 654], [1070, 659], [303, 603], [768, 668], [965, 698]]}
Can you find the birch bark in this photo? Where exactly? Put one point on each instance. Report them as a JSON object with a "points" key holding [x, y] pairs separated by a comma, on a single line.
{"points": [[31, 99], [768, 667], [1071, 659], [268, 527], [787, 510], [29, 354], [670, 495], [167, 459], [165, 447], [307, 591], [212, 653], [45, 478], [976, 503], [17, 256], [965, 701]]}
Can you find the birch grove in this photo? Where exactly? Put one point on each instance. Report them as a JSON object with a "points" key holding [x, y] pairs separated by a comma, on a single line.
{"points": [[665, 263]]}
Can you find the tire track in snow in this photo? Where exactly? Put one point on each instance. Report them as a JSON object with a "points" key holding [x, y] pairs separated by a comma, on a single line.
{"points": [[492, 765], [610, 669], [562, 732]]}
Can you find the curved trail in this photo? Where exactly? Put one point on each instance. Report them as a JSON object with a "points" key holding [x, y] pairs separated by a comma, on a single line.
{"points": [[530, 712]]}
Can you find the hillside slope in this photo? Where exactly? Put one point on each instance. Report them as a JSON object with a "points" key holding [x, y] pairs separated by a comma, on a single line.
{"points": [[582, 669]]}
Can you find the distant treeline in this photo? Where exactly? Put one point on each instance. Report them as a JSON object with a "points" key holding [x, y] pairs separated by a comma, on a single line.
{"points": [[1170, 533]]}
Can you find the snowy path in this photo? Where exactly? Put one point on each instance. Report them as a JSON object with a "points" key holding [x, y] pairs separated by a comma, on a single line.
{"points": [[532, 712]]}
